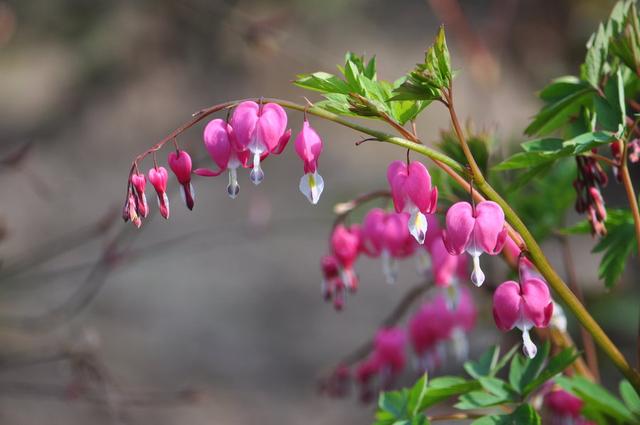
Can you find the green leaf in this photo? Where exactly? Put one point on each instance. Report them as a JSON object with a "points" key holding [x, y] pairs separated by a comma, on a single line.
{"points": [[561, 87], [394, 402], [557, 113], [596, 397], [616, 245], [479, 399], [556, 365], [528, 369], [417, 394], [485, 364], [497, 387], [523, 415], [444, 387], [543, 145], [630, 396], [504, 360], [322, 82]]}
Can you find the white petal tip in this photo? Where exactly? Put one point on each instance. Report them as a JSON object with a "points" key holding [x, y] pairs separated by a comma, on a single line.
{"points": [[311, 186], [418, 226], [528, 347], [477, 275]]}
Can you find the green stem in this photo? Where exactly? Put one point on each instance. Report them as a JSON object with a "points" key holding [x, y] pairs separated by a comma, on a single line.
{"points": [[541, 262]]}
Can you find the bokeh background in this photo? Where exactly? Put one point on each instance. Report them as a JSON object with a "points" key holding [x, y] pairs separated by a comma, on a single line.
{"points": [[216, 315]]}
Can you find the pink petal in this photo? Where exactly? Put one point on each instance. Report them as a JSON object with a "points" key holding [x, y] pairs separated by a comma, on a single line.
{"points": [[417, 186], [459, 226], [271, 125], [243, 121], [506, 305], [217, 142], [180, 164], [345, 245], [466, 312], [397, 175], [489, 232], [537, 306], [444, 265], [396, 235], [372, 232]]}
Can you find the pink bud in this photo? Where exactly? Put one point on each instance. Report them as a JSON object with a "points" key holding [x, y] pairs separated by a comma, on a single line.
{"points": [[158, 178], [430, 325], [309, 147], [180, 163], [131, 211], [475, 231], [139, 182], [523, 306], [345, 244], [412, 192]]}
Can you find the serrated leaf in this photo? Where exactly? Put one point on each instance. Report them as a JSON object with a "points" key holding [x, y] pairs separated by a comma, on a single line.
{"points": [[322, 82], [617, 245], [444, 387], [496, 386], [417, 394]]}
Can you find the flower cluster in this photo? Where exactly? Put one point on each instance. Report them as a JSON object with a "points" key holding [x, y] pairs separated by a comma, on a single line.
{"points": [[429, 331], [590, 179], [253, 132]]}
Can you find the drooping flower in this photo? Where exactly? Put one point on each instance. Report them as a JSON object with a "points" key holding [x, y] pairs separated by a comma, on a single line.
{"points": [[138, 182], [524, 306], [181, 165], [464, 320], [475, 230], [309, 147], [389, 345], [219, 142], [445, 266], [130, 211], [564, 408], [345, 244], [366, 374], [386, 235], [158, 177], [332, 285], [337, 384], [429, 328], [412, 192], [260, 129]]}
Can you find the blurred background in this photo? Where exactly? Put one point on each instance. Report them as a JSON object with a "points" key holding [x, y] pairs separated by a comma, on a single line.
{"points": [[216, 315]]}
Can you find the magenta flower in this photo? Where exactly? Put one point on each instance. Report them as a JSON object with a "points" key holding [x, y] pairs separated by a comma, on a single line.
{"points": [[365, 375], [158, 178], [139, 182], [218, 140], [180, 164], [389, 348], [523, 306], [475, 230], [429, 327], [345, 244], [412, 192], [260, 129], [386, 235], [444, 265], [464, 320], [565, 408], [309, 147]]}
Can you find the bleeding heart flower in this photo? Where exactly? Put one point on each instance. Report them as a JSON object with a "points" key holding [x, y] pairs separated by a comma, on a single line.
{"points": [[464, 319], [332, 286], [564, 407], [309, 147], [523, 306], [219, 142], [139, 182], [412, 192], [345, 244], [158, 178], [180, 163], [389, 348], [445, 266], [386, 235], [475, 230], [429, 328], [260, 129]]}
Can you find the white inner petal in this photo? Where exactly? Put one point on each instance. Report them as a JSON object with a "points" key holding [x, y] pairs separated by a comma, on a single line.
{"points": [[477, 276], [311, 186], [256, 175], [233, 188], [528, 347], [418, 225]]}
